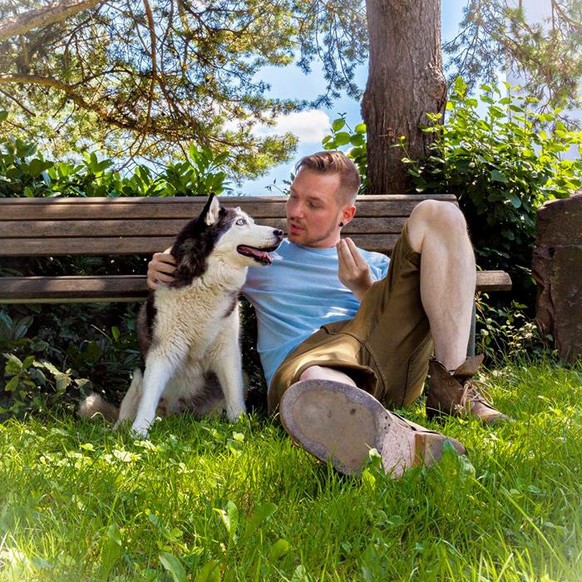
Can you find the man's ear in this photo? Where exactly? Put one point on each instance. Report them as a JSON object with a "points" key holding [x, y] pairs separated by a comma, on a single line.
{"points": [[348, 214]]}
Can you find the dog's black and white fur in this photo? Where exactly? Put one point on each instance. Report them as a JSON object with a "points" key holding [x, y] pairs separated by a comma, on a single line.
{"points": [[189, 331]]}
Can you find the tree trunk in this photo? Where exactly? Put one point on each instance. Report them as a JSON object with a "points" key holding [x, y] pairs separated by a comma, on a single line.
{"points": [[405, 81]]}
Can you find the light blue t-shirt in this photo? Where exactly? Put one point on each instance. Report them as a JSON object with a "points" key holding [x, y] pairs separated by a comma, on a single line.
{"points": [[298, 294]]}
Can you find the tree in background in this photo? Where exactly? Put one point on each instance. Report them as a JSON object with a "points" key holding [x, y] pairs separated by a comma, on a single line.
{"points": [[546, 54], [405, 82], [149, 77]]}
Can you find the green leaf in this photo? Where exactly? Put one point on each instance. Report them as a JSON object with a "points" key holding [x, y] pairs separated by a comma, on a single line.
{"points": [[112, 550], [260, 515], [230, 518], [498, 176], [174, 566], [63, 381], [36, 167], [210, 572], [515, 200], [13, 364], [279, 549], [22, 327], [338, 124], [12, 384], [342, 138]]}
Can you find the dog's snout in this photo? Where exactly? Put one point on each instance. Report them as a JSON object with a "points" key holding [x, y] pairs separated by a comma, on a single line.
{"points": [[278, 232]]}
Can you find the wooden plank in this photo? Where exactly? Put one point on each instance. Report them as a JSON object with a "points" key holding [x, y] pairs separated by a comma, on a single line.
{"points": [[91, 228], [185, 207], [160, 227], [493, 281], [121, 246], [76, 246], [77, 289], [81, 289]]}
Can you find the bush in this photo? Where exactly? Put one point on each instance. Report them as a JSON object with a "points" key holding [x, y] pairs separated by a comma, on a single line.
{"points": [[24, 172], [506, 332], [502, 160], [343, 135], [53, 354]]}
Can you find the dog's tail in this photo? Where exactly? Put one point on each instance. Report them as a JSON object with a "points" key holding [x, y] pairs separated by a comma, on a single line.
{"points": [[94, 404]]}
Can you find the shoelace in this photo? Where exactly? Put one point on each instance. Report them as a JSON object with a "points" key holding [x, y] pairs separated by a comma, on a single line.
{"points": [[472, 393]]}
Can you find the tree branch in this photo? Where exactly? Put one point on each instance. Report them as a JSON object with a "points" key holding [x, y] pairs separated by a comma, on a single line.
{"points": [[40, 17]]}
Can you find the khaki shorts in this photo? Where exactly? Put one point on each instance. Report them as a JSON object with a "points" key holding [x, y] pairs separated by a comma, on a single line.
{"points": [[385, 348]]}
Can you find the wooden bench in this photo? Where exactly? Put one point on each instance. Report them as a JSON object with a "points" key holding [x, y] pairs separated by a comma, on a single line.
{"points": [[113, 227], [52, 227]]}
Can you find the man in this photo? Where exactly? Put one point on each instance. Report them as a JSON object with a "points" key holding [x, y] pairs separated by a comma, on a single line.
{"points": [[342, 337]]}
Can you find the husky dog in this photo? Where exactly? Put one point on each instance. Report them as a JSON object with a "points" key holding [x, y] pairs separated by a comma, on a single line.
{"points": [[188, 331]]}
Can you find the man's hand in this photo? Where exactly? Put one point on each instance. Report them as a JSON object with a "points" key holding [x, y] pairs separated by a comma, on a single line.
{"points": [[353, 271], [161, 270]]}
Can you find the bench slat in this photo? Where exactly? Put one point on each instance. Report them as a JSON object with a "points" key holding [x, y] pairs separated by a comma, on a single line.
{"points": [[121, 288], [75, 288], [76, 246], [493, 281], [51, 229], [158, 208]]}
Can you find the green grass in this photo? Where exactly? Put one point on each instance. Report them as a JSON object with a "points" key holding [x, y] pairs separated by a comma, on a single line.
{"points": [[206, 500]]}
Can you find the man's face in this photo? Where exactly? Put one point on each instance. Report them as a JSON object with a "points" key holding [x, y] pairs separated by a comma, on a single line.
{"points": [[314, 210]]}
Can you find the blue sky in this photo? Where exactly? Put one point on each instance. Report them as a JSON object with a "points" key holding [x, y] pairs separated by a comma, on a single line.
{"points": [[311, 126]]}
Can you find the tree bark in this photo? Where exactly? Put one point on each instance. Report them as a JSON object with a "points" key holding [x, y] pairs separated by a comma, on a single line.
{"points": [[56, 12], [405, 81]]}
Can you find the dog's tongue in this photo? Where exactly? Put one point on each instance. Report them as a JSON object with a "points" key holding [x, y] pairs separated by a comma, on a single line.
{"points": [[257, 254]]}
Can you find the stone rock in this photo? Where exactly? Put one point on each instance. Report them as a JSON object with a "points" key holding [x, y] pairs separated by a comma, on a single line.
{"points": [[557, 269]]}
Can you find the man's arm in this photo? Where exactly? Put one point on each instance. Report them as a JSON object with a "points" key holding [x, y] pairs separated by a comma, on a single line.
{"points": [[353, 270], [161, 269]]}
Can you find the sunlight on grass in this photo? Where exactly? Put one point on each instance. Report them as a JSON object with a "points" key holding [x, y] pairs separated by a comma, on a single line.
{"points": [[207, 500]]}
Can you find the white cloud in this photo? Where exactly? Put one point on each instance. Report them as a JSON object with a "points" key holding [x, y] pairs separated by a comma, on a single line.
{"points": [[309, 126]]}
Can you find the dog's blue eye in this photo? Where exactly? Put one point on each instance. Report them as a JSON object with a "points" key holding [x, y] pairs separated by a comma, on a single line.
{"points": [[241, 222]]}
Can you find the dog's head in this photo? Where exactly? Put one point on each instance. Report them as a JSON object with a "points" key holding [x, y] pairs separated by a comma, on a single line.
{"points": [[226, 234]]}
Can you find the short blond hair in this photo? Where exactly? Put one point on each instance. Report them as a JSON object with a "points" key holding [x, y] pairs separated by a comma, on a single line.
{"points": [[334, 162]]}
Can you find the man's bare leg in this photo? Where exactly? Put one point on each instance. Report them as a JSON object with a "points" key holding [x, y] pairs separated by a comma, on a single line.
{"points": [[323, 373], [438, 231]]}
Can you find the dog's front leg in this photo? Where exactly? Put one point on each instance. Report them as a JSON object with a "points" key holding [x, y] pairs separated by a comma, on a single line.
{"points": [[131, 400], [159, 370], [228, 370]]}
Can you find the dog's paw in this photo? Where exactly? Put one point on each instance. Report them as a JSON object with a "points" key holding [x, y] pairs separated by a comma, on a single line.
{"points": [[235, 413], [139, 431]]}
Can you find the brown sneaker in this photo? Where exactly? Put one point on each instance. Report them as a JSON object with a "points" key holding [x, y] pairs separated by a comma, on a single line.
{"points": [[457, 394], [341, 423]]}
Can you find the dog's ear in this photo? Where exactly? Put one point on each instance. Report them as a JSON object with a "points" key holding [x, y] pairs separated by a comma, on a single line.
{"points": [[211, 210]]}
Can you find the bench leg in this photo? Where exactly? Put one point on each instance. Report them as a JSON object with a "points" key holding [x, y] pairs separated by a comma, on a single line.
{"points": [[473, 332]]}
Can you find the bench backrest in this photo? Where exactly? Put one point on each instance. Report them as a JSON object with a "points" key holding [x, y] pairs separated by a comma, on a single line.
{"points": [[128, 226]]}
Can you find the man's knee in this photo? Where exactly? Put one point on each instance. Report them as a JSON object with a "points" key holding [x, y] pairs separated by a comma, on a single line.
{"points": [[435, 217]]}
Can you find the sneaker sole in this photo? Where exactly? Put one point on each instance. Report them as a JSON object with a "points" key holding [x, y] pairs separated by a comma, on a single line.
{"points": [[339, 423]]}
